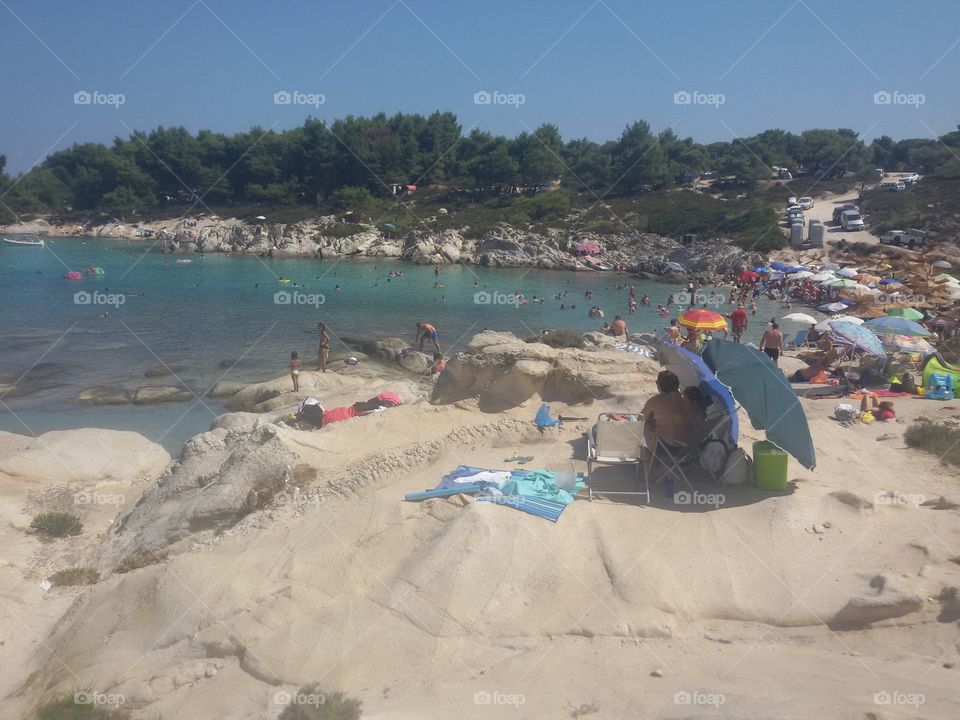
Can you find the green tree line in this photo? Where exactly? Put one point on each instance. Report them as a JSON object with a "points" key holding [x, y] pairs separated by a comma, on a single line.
{"points": [[307, 165]]}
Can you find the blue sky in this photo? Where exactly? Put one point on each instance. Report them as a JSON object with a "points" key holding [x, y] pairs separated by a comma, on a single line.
{"points": [[589, 66]]}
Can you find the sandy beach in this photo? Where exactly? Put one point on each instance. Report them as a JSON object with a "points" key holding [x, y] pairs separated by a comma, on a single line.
{"points": [[836, 598]]}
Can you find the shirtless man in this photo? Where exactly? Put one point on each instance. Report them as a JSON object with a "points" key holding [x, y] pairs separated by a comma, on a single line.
{"points": [[673, 332], [426, 331], [667, 413], [772, 343], [618, 327]]}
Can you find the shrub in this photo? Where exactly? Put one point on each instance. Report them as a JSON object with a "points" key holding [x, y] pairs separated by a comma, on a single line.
{"points": [[56, 524], [139, 560], [562, 338], [74, 576], [939, 440], [67, 708], [335, 706]]}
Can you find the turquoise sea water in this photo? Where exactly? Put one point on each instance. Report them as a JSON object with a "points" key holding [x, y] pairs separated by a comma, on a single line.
{"points": [[219, 318]]}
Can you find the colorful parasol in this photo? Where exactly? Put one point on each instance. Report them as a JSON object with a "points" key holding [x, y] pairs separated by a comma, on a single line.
{"points": [[898, 325], [907, 313], [701, 319], [856, 337], [906, 343]]}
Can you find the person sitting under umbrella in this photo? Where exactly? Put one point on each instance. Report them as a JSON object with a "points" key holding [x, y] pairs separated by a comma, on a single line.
{"points": [[669, 415]]}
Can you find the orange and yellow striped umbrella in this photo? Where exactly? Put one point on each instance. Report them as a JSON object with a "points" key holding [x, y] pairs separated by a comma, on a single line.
{"points": [[701, 319]]}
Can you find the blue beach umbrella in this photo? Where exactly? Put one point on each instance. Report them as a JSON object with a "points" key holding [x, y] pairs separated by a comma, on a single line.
{"points": [[856, 337], [766, 395], [897, 326]]}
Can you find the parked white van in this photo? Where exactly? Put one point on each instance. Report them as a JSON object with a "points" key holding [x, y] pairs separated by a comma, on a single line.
{"points": [[851, 220]]}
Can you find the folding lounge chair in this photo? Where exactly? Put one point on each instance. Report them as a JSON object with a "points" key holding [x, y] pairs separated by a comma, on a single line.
{"points": [[616, 442], [799, 340], [673, 457]]}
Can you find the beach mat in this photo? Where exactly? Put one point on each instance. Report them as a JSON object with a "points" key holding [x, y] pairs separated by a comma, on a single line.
{"points": [[534, 506]]}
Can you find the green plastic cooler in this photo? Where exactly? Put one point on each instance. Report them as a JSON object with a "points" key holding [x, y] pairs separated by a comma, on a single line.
{"points": [[770, 466]]}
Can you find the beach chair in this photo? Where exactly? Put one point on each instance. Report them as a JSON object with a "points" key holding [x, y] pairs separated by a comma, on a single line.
{"points": [[799, 340], [787, 342], [616, 442], [672, 458]]}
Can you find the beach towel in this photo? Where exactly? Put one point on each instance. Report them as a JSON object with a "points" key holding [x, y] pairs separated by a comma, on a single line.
{"points": [[543, 419], [533, 506], [634, 348], [338, 414]]}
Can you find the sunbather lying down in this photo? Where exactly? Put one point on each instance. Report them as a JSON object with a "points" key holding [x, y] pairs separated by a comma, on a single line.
{"points": [[311, 412], [670, 415]]}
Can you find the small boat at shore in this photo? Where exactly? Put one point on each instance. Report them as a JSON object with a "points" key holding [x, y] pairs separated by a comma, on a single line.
{"points": [[37, 242]]}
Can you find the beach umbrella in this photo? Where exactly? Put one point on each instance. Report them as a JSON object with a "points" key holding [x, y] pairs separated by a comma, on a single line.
{"points": [[833, 307], [942, 264], [691, 370], [896, 325], [854, 336], [766, 394], [824, 325], [868, 278], [907, 344], [260, 217], [749, 275], [838, 283], [800, 275], [891, 281], [830, 266], [821, 276], [800, 318], [943, 321], [905, 312], [702, 319], [778, 266], [676, 267], [761, 270], [848, 272]]}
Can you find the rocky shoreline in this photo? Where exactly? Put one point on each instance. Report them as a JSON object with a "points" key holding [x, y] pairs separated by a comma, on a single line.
{"points": [[646, 254]]}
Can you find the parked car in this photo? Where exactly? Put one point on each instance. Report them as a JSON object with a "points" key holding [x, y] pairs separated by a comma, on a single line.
{"points": [[794, 217], [840, 209], [805, 203], [908, 238], [909, 178], [893, 186], [880, 172], [791, 201], [851, 220]]}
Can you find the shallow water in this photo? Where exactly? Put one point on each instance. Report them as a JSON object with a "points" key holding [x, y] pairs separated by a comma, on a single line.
{"points": [[219, 318]]}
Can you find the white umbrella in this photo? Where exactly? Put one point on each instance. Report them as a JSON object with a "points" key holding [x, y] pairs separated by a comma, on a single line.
{"points": [[830, 266], [848, 272], [800, 275], [832, 307], [942, 264], [801, 318], [260, 217], [821, 276], [824, 325], [676, 267]]}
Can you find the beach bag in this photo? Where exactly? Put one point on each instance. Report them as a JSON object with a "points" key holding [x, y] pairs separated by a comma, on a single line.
{"points": [[844, 412], [739, 468], [713, 456]]}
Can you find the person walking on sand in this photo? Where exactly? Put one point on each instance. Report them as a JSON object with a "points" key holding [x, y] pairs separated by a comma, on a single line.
{"points": [[295, 371], [426, 331], [739, 320], [324, 350], [772, 343]]}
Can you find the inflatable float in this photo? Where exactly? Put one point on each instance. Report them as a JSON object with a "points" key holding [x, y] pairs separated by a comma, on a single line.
{"points": [[282, 281], [936, 366], [73, 275], [93, 270]]}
